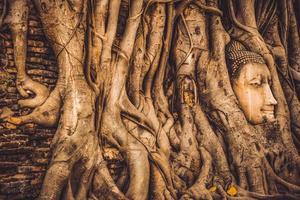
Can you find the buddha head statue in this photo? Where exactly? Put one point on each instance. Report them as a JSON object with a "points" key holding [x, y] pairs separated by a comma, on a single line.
{"points": [[251, 80]]}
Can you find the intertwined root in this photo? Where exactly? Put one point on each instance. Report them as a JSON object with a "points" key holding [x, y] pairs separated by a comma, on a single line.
{"points": [[127, 122], [199, 190], [17, 20], [47, 114], [40, 91]]}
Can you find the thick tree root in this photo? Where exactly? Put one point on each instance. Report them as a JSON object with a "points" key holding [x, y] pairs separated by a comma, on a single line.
{"points": [[18, 23], [103, 186], [198, 190], [90, 101], [129, 111], [271, 175], [79, 145], [41, 93], [47, 114], [246, 195]]}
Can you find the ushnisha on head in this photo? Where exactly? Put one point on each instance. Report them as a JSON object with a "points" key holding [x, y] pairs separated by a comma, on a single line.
{"points": [[251, 80]]}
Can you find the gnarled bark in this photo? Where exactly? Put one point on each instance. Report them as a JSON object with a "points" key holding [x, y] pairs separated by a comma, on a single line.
{"points": [[154, 91]]}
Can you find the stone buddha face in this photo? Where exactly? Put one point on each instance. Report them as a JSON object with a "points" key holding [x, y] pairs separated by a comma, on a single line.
{"points": [[251, 86]]}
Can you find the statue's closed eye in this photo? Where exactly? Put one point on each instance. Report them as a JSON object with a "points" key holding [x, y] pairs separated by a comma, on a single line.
{"points": [[257, 82]]}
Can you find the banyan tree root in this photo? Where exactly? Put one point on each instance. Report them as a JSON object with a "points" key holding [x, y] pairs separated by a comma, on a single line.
{"points": [[145, 69], [104, 184], [287, 66], [273, 177], [215, 89], [220, 96], [112, 124], [119, 110], [194, 127], [75, 141], [199, 190], [246, 195], [256, 44], [187, 161], [47, 114], [17, 20], [114, 91]]}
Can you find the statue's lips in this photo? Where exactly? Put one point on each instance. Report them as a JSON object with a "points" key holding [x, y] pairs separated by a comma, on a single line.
{"points": [[269, 111], [269, 115]]}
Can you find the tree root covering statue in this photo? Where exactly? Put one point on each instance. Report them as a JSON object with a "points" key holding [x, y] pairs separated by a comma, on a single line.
{"points": [[150, 80]]}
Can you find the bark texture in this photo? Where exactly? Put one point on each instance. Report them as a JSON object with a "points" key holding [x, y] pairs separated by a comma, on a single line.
{"points": [[135, 99]]}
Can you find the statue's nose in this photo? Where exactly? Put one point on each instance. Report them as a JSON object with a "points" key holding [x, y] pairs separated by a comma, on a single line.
{"points": [[270, 99]]}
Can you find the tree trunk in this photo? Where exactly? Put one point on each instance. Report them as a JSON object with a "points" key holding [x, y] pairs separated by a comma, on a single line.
{"points": [[145, 105]]}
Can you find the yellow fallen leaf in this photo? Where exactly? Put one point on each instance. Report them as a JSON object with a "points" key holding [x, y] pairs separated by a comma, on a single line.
{"points": [[213, 189], [14, 120], [232, 191]]}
